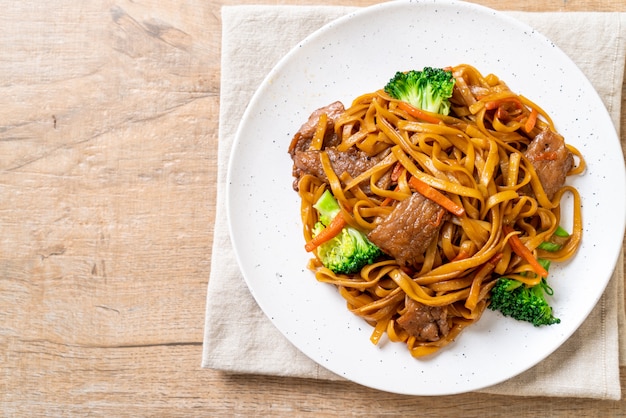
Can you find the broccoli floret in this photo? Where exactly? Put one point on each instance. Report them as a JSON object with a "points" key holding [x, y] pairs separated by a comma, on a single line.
{"points": [[350, 250], [428, 89], [327, 207], [513, 298]]}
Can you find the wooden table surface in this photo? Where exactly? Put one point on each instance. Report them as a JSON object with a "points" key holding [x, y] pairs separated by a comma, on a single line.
{"points": [[108, 139]]}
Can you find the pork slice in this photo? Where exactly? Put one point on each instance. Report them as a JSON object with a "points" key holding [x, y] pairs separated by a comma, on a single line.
{"points": [[409, 229], [425, 323], [551, 159], [302, 139]]}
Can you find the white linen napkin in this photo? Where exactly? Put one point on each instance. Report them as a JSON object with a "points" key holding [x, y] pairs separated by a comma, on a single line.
{"points": [[254, 38]]}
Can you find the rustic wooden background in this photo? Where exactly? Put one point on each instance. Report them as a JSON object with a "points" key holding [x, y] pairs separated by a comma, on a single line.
{"points": [[108, 139]]}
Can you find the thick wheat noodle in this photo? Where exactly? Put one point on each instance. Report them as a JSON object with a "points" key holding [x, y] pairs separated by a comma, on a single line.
{"points": [[477, 160]]}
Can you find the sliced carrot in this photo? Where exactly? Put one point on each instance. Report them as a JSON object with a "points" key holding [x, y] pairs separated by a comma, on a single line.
{"points": [[531, 121], [418, 113], [520, 249], [494, 104], [396, 171], [331, 231], [502, 113], [389, 199], [461, 255], [436, 196]]}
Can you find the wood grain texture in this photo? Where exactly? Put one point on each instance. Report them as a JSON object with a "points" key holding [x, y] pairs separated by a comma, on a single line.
{"points": [[108, 140]]}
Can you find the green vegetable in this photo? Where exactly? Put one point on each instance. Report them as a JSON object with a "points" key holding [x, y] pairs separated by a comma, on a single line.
{"points": [[428, 89], [347, 252], [513, 298], [559, 235], [549, 246], [561, 232]]}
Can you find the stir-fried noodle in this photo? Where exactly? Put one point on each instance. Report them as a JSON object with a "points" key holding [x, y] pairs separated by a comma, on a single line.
{"points": [[477, 158]]}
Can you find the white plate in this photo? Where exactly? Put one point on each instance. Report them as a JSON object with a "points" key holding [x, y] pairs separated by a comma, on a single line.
{"points": [[360, 53]]}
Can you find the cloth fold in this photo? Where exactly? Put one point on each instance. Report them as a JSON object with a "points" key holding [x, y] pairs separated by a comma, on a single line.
{"points": [[254, 38]]}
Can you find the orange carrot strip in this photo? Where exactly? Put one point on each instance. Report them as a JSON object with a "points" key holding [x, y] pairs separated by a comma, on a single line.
{"points": [[389, 199], [461, 255], [418, 113], [494, 104], [532, 120], [331, 231], [396, 171], [436, 196], [502, 113], [520, 249]]}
